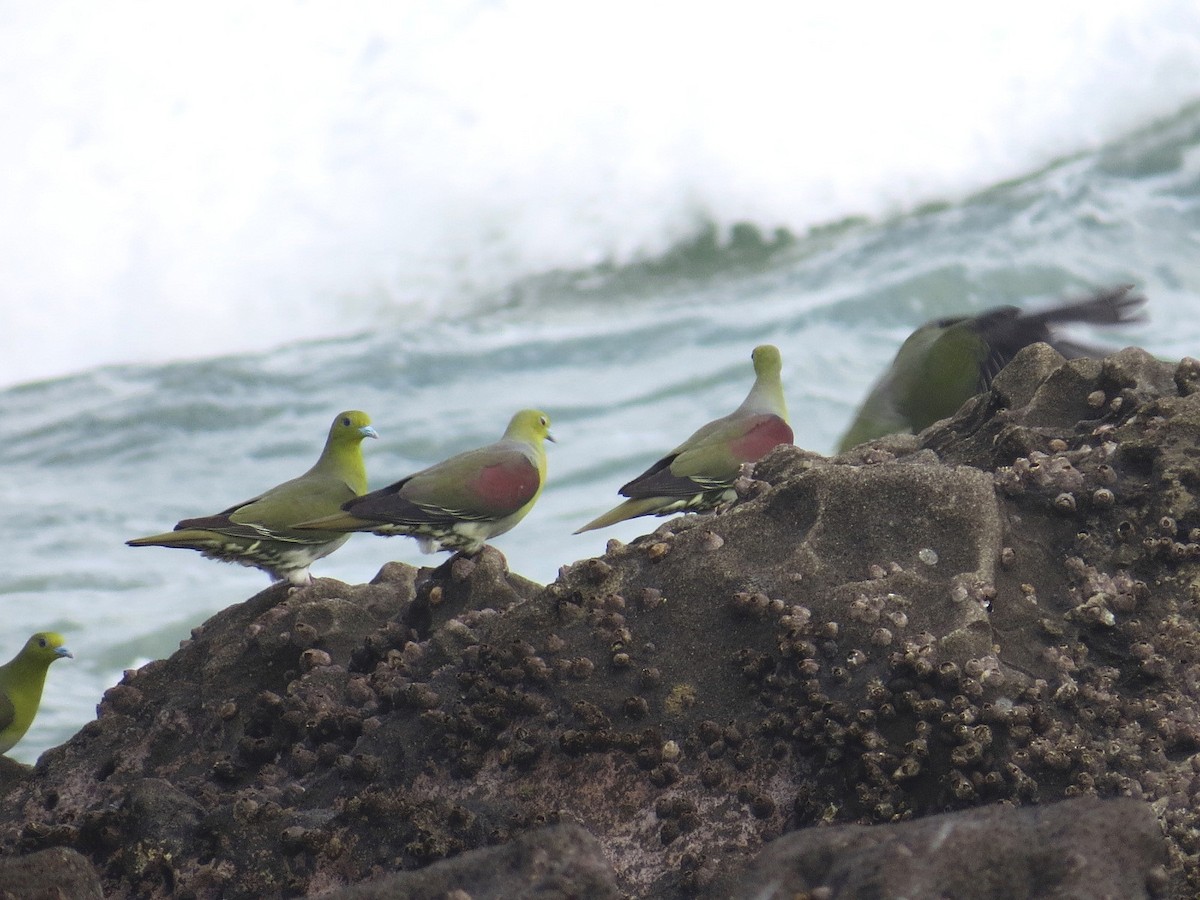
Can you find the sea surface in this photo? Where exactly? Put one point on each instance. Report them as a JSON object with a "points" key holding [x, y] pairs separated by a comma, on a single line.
{"points": [[223, 225]]}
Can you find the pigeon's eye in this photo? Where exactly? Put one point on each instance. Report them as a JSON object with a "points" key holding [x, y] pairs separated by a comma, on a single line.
{"points": [[346, 421], [41, 642], [542, 420]]}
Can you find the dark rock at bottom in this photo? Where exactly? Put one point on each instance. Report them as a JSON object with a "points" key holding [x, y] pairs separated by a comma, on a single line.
{"points": [[57, 874], [1084, 848]]}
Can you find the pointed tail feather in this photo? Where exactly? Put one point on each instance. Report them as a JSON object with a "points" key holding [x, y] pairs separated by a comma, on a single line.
{"points": [[187, 538], [1110, 306], [630, 509]]}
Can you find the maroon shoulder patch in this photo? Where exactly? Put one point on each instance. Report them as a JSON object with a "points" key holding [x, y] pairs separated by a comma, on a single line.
{"points": [[764, 436], [505, 487]]}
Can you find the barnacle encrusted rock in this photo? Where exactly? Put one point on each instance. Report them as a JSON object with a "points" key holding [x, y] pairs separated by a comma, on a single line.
{"points": [[999, 612]]}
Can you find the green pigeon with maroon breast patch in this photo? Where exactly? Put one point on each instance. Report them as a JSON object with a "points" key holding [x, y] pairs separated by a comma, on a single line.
{"points": [[699, 474]]}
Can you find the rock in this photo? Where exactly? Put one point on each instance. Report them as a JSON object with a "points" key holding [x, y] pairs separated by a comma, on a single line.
{"points": [[1083, 848], [49, 875], [561, 861], [999, 611], [12, 773]]}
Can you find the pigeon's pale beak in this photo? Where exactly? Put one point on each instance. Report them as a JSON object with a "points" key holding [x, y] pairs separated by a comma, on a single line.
{"points": [[63, 651], [551, 438], [367, 431]]}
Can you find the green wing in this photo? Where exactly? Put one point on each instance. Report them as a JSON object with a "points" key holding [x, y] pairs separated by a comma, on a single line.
{"points": [[274, 513], [7, 713]]}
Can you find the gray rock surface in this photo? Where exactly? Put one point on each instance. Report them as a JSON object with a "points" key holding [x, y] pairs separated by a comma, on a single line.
{"points": [[1082, 849], [57, 874], [558, 862]]}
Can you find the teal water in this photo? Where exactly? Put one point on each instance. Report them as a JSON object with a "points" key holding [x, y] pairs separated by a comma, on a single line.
{"points": [[626, 359]]}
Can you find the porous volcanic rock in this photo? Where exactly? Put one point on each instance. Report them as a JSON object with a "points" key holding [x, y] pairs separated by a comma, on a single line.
{"points": [[55, 874], [1086, 849], [999, 611], [556, 862]]}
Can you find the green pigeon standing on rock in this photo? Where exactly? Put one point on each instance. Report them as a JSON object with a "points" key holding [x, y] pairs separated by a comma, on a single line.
{"points": [[699, 473], [21, 681], [261, 532], [947, 361], [462, 502]]}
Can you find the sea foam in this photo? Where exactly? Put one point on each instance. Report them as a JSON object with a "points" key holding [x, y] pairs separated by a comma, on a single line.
{"points": [[182, 182]]}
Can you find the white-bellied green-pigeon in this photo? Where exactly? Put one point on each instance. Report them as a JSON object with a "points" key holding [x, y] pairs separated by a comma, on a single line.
{"points": [[699, 473], [261, 532], [947, 361], [21, 681]]}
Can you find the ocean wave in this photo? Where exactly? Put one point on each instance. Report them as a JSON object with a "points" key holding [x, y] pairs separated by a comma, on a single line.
{"points": [[191, 183]]}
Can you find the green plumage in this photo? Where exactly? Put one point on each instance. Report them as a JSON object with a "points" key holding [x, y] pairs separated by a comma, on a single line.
{"points": [[699, 473], [463, 502], [261, 532], [947, 361], [21, 682]]}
